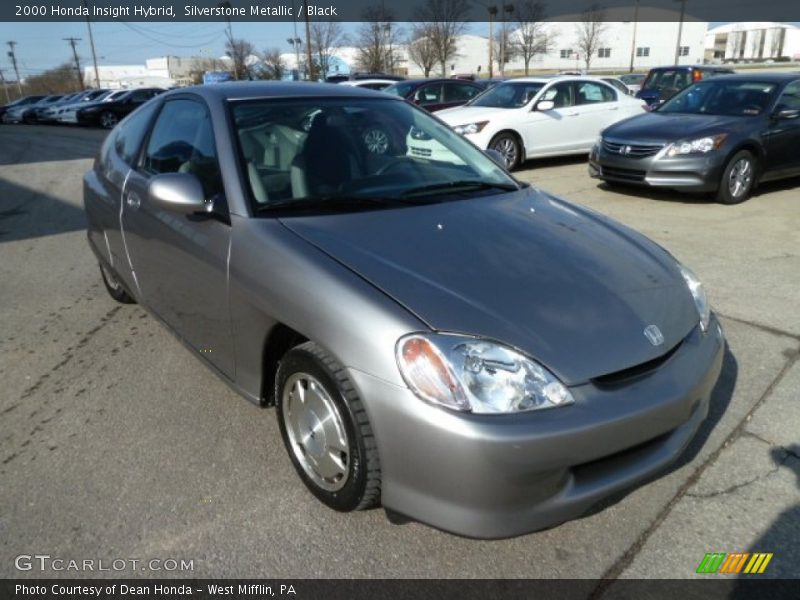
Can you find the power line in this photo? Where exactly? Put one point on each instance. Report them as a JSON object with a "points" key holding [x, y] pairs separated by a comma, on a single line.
{"points": [[72, 42], [12, 55]]}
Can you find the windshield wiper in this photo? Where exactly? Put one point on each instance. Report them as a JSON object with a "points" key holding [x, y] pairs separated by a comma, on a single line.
{"points": [[331, 203], [448, 187]]}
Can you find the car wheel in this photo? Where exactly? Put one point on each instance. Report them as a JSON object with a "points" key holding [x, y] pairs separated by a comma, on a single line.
{"points": [[376, 140], [114, 287], [738, 178], [507, 145], [108, 119], [326, 430]]}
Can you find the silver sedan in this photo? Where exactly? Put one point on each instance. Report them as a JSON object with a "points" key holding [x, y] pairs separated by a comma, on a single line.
{"points": [[435, 337]]}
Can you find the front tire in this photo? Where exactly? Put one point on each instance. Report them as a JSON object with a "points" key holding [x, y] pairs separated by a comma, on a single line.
{"points": [[325, 429], [508, 145], [738, 178], [108, 120]]}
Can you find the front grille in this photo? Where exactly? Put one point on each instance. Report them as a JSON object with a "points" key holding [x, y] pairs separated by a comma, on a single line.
{"points": [[626, 375], [623, 174], [420, 151], [631, 150]]}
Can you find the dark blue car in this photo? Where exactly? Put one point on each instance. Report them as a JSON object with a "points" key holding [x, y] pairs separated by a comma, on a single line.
{"points": [[664, 82]]}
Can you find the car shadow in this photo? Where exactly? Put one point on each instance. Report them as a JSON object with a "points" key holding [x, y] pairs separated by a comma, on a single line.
{"points": [[23, 144], [553, 161], [26, 213]]}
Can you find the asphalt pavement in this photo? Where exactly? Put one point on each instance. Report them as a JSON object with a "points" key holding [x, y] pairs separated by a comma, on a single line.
{"points": [[116, 443]]}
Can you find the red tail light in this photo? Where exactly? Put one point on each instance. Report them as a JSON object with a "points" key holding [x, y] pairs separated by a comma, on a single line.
{"points": [[697, 74]]}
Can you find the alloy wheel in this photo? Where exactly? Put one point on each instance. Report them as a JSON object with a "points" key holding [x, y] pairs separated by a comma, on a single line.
{"points": [[108, 120], [508, 149], [376, 141], [740, 177]]}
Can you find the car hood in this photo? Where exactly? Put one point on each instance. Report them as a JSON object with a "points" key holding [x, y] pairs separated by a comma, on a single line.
{"points": [[566, 286], [664, 127], [462, 115]]}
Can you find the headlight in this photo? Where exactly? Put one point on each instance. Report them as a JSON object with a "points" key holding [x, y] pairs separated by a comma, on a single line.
{"points": [[475, 375], [698, 146], [699, 296], [470, 128]]}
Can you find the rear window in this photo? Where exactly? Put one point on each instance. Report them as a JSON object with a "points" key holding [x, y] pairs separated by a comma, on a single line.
{"points": [[667, 79]]}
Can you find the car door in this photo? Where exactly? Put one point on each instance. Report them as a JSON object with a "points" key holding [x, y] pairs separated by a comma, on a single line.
{"points": [[598, 106], [180, 262], [554, 131], [783, 134]]}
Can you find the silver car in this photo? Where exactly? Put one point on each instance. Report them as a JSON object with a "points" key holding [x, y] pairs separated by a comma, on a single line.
{"points": [[468, 351]]}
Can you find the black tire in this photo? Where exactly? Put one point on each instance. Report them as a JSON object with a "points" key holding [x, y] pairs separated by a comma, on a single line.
{"points": [[508, 145], [362, 486], [742, 168], [108, 120], [114, 287]]}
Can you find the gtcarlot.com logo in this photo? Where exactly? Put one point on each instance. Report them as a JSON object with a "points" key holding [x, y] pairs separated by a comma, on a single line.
{"points": [[736, 562], [46, 562]]}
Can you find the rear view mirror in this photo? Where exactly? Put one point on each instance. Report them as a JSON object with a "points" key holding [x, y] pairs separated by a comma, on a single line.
{"points": [[178, 192], [546, 105]]}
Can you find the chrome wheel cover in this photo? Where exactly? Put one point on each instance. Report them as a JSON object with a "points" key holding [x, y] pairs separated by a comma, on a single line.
{"points": [[108, 120], [740, 177], [316, 431]]}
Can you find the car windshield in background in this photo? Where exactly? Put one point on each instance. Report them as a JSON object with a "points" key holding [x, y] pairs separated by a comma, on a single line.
{"points": [[720, 97], [667, 79], [508, 95], [399, 89], [341, 154]]}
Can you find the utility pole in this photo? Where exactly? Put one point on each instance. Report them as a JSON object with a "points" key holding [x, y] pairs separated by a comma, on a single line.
{"points": [[507, 8], [635, 26], [13, 58], [5, 89], [492, 12], [91, 43], [680, 31], [308, 44], [72, 42]]}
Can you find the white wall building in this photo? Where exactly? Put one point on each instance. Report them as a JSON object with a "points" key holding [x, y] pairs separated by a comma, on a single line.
{"points": [[753, 42]]}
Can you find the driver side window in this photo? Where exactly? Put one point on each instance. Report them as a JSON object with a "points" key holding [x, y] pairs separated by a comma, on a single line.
{"points": [[561, 94], [790, 99], [182, 141]]}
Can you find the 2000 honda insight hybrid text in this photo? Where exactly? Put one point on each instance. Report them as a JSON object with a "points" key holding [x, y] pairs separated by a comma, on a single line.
{"points": [[470, 352]]}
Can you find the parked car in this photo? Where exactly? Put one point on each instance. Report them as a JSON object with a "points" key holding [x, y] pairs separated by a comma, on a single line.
{"points": [[436, 337], [108, 113], [370, 84], [68, 113], [17, 104], [47, 114], [531, 117], [436, 94], [664, 82], [617, 83], [30, 113], [722, 135], [633, 81]]}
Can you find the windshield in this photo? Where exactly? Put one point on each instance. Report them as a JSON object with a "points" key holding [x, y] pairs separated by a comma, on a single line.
{"points": [[399, 89], [721, 97], [508, 95], [667, 79], [355, 153]]}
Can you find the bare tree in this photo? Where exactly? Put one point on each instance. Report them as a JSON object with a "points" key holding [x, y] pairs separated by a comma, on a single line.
{"points": [[532, 36], [326, 39], [377, 39], [239, 51], [271, 65], [421, 49], [59, 80], [590, 30], [504, 48], [446, 20]]}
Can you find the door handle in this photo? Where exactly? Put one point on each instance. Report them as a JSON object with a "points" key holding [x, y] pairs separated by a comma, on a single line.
{"points": [[133, 201], [573, 114]]}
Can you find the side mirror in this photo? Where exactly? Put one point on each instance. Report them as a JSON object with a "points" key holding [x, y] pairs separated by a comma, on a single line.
{"points": [[178, 192], [786, 113], [496, 157], [545, 105]]}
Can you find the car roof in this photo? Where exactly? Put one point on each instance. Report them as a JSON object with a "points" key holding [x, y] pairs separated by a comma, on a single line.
{"points": [[243, 90], [769, 76], [685, 67]]}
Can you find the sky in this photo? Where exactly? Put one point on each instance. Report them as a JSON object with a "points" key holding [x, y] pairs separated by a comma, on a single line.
{"points": [[41, 45]]}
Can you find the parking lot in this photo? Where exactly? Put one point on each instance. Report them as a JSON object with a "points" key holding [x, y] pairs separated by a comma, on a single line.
{"points": [[115, 442]]}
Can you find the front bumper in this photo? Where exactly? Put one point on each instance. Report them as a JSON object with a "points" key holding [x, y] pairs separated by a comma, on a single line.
{"points": [[700, 173], [505, 475]]}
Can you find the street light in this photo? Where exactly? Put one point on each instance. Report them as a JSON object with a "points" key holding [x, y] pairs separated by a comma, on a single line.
{"points": [[507, 8], [296, 42], [492, 14], [680, 31]]}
